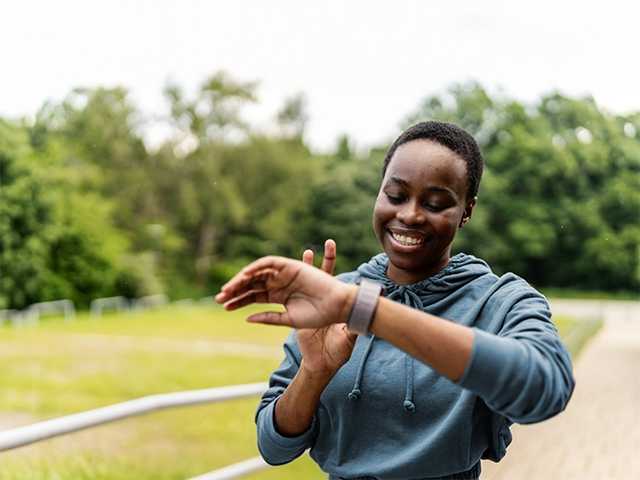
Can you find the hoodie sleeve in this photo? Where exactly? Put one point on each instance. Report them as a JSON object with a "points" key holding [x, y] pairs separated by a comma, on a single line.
{"points": [[275, 448], [524, 371]]}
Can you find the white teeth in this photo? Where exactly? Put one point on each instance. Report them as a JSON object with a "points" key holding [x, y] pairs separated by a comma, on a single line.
{"points": [[405, 240]]}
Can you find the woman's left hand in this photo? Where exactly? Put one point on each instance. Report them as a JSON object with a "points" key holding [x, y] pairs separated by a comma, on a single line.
{"points": [[312, 298], [324, 350]]}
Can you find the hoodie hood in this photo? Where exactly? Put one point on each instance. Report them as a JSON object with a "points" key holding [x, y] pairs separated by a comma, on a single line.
{"points": [[460, 270]]}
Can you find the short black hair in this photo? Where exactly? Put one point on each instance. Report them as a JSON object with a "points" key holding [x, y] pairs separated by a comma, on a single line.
{"points": [[448, 135]]}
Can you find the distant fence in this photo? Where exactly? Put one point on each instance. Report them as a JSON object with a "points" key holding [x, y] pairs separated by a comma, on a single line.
{"points": [[31, 315], [99, 305], [150, 301], [65, 307], [26, 435]]}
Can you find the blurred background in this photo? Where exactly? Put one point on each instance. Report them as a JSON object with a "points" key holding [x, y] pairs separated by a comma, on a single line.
{"points": [[152, 148]]}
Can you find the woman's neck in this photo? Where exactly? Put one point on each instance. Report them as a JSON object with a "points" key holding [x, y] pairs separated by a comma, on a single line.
{"points": [[407, 277]]}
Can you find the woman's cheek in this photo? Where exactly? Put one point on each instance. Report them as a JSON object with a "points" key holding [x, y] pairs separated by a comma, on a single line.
{"points": [[381, 217], [445, 224]]}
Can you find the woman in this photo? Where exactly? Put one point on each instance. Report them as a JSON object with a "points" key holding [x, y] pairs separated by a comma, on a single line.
{"points": [[445, 361]]}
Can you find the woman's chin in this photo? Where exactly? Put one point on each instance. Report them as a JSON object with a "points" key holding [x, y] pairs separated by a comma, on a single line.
{"points": [[410, 267], [409, 256], [405, 262]]}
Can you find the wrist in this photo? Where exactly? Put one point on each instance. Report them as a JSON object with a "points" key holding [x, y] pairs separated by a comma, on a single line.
{"points": [[319, 377], [364, 307], [348, 295]]}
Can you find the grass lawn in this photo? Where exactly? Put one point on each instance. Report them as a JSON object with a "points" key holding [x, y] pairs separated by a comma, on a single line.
{"points": [[572, 294], [58, 368]]}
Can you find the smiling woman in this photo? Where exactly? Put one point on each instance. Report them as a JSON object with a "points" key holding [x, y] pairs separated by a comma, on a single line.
{"points": [[443, 363], [427, 193]]}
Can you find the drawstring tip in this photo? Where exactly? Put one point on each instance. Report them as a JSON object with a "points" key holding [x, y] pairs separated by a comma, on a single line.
{"points": [[354, 394], [409, 406]]}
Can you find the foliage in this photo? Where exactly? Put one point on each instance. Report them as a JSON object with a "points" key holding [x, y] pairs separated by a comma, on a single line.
{"points": [[56, 240], [560, 200], [87, 210], [339, 205], [24, 215]]}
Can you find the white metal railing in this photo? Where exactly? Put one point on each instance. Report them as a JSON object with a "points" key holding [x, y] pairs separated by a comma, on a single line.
{"points": [[236, 470], [20, 436]]}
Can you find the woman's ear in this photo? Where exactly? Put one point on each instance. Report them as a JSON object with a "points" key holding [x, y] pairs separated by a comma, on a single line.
{"points": [[466, 216]]}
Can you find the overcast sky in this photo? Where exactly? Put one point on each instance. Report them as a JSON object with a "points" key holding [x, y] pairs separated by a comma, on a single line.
{"points": [[364, 65]]}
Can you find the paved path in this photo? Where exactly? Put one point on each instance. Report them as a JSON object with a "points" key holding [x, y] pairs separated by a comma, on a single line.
{"points": [[598, 436]]}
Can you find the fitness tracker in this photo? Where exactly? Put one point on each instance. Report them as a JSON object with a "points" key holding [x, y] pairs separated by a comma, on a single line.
{"points": [[364, 307]]}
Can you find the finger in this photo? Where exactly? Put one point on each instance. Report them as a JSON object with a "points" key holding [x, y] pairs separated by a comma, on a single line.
{"points": [[243, 282], [276, 272], [271, 318], [254, 296], [254, 283], [329, 259], [307, 256], [275, 263]]}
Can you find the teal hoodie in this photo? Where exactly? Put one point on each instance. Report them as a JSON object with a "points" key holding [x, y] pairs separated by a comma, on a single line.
{"points": [[386, 415]]}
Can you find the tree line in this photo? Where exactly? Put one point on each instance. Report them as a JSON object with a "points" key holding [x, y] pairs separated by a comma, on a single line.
{"points": [[87, 210]]}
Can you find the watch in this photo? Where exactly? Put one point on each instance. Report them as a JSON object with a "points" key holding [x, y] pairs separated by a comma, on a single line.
{"points": [[364, 307]]}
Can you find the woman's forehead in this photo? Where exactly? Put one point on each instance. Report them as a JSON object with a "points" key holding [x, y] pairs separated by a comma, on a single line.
{"points": [[424, 164]]}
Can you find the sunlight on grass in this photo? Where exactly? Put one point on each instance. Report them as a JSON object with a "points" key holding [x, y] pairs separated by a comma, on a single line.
{"points": [[176, 322], [58, 368]]}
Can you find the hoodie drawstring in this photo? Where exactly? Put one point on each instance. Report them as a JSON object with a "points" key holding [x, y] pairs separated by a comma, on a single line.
{"points": [[460, 270], [355, 393], [408, 404]]}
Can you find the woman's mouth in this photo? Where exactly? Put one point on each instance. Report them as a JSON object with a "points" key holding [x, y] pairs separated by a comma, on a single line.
{"points": [[405, 241]]}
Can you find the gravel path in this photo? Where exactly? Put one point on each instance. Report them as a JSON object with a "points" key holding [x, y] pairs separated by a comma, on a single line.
{"points": [[598, 436]]}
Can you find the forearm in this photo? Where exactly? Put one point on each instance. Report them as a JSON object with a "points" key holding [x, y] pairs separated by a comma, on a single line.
{"points": [[525, 375], [296, 407], [441, 344]]}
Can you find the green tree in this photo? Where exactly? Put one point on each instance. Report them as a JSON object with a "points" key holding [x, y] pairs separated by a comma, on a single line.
{"points": [[559, 202], [54, 242], [24, 215]]}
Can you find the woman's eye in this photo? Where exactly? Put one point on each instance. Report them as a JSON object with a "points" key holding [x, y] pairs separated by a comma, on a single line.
{"points": [[433, 207], [394, 199]]}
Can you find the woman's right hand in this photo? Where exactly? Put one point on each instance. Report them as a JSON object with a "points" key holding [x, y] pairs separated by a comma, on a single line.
{"points": [[324, 350]]}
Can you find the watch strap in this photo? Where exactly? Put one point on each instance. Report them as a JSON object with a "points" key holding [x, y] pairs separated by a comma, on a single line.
{"points": [[364, 307]]}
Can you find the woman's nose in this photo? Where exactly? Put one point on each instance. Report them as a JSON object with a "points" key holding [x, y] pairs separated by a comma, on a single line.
{"points": [[411, 214]]}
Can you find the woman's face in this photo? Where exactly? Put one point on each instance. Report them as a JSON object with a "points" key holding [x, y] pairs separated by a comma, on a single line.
{"points": [[420, 206]]}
